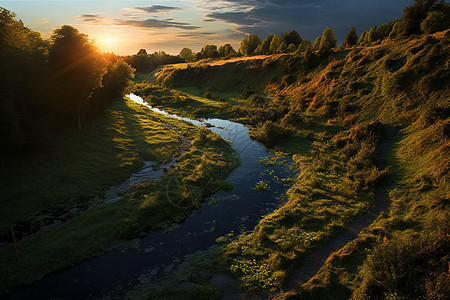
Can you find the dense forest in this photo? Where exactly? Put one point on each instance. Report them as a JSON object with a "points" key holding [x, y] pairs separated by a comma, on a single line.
{"points": [[55, 84], [366, 125]]}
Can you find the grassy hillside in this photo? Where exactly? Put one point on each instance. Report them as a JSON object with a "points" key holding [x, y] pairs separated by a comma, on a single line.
{"points": [[77, 168], [329, 113]]}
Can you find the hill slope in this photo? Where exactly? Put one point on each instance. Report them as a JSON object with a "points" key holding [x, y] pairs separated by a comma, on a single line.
{"points": [[328, 113]]}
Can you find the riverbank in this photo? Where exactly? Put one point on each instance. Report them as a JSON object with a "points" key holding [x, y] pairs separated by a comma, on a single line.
{"points": [[129, 135], [157, 255]]}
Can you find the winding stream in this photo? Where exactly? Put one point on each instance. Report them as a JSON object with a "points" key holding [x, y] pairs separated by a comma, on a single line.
{"points": [[158, 254]]}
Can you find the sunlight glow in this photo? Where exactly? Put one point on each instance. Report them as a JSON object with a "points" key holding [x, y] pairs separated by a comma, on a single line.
{"points": [[108, 43]]}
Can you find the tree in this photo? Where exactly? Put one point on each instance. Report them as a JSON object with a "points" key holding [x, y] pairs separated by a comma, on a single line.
{"points": [[23, 81], [249, 44], [351, 39], [372, 36], [114, 86], [186, 54], [291, 48], [317, 43], [209, 51], [265, 45], [283, 48], [363, 38], [328, 41], [142, 52], [77, 69], [275, 44], [226, 50], [435, 21], [395, 30], [384, 30], [303, 45], [414, 15], [292, 37]]}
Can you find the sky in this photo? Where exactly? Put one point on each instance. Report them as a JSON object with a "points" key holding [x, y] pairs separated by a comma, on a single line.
{"points": [[124, 27]]}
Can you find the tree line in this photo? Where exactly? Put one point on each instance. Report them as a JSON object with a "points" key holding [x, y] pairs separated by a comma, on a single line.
{"points": [[52, 84], [424, 16]]}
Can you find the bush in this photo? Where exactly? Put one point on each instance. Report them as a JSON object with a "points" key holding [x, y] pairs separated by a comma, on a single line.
{"points": [[408, 267], [270, 133], [435, 21], [288, 80], [246, 92], [208, 95], [255, 100]]}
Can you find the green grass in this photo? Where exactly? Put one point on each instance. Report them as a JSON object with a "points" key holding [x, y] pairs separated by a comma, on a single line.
{"points": [[185, 104], [82, 164], [402, 82], [134, 134]]}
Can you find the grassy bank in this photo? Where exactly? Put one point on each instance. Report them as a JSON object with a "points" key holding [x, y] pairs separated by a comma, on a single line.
{"points": [[324, 111], [128, 135], [80, 165]]}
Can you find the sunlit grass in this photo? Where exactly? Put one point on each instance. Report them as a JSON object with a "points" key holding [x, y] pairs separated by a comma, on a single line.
{"points": [[129, 134]]}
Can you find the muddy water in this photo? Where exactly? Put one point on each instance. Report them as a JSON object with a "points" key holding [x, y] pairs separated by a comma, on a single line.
{"points": [[158, 254]]}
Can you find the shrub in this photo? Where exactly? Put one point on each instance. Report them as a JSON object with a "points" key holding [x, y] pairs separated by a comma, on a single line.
{"points": [[208, 95], [255, 100], [270, 133], [246, 92], [435, 21], [288, 80], [407, 267]]}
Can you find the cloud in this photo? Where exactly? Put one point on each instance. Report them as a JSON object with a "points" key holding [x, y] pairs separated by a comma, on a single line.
{"points": [[41, 21], [143, 24], [156, 9], [154, 24], [309, 17], [235, 18], [91, 18]]}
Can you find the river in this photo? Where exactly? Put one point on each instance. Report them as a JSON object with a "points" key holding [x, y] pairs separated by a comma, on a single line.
{"points": [[157, 255]]}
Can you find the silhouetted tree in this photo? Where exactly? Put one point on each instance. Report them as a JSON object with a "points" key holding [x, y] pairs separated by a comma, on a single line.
{"points": [[142, 52], [23, 81], [351, 39], [114, 86], [77, 69]]}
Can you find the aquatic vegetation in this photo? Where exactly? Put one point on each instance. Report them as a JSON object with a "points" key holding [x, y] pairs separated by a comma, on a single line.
{"points": [[278, 158], [262, 185]]}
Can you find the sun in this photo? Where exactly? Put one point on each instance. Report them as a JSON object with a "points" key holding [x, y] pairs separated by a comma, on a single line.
{"points": [[107, 43]]}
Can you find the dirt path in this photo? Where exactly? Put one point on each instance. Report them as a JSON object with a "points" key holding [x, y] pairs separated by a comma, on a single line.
{"points": [[313, 261]]}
